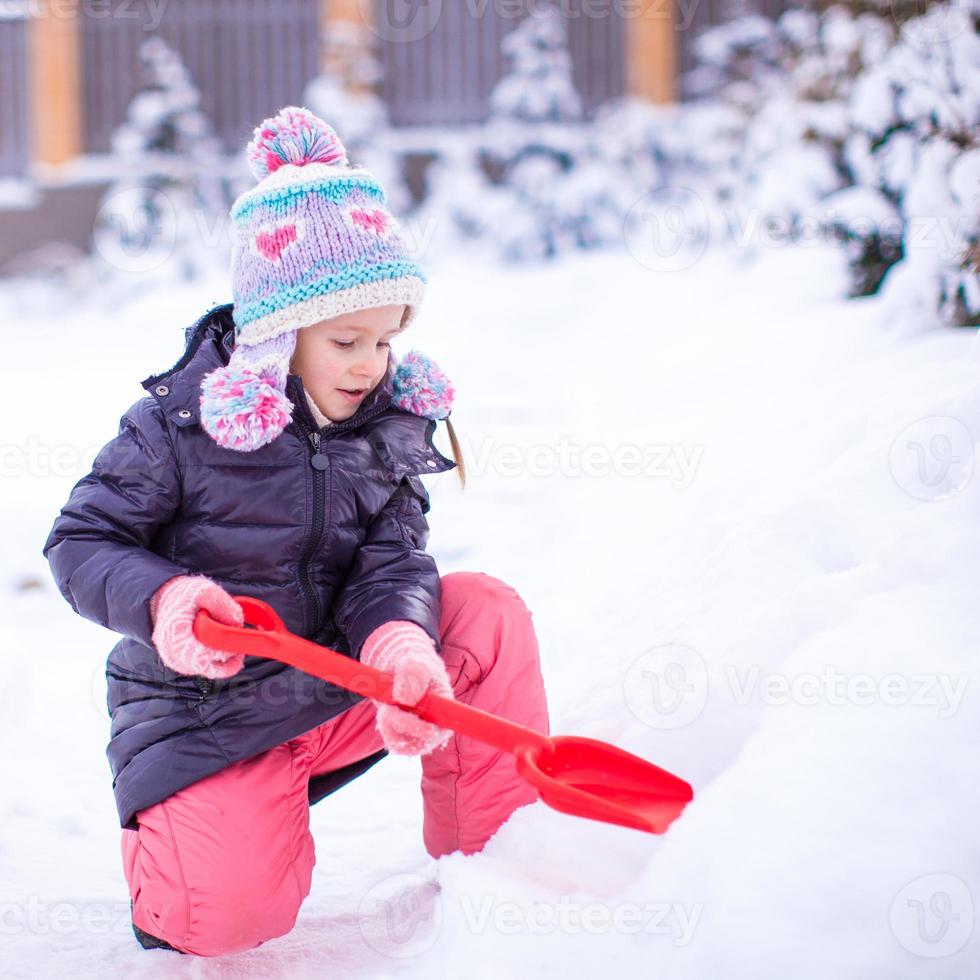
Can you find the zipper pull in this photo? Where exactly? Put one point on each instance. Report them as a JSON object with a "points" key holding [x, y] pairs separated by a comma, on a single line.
{"points": [[318, 461]]}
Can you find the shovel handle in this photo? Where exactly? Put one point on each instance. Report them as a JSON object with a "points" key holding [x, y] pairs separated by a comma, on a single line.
{"points": [[266, 636]]}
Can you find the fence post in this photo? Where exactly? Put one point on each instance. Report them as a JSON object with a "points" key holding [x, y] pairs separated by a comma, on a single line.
{"points": [[355, 18], [54, 71], [651, 43]]}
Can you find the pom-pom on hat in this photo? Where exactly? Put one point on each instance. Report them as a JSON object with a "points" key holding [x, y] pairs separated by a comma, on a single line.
{"points": [[314, 239], [421, 387]]}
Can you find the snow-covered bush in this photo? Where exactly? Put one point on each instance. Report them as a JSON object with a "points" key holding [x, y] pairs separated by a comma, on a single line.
{"points": [[914, 138], [538, 85], [536, 180], [858, 125], [786, 83], [168, 208]]}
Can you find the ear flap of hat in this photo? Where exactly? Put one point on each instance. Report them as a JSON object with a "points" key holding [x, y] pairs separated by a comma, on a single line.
{"points": [[243, 403]]}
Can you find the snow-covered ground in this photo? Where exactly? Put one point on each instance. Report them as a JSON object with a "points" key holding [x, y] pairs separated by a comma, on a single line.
{"points": [[742, 511]]}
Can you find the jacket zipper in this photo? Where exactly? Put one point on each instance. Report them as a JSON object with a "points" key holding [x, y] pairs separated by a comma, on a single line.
{"points": [[306, 576], [319, 479]]}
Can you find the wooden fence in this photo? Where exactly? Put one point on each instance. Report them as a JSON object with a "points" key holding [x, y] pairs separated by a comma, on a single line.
{"points": [[15, 135], [248, 58], [445, 74]]}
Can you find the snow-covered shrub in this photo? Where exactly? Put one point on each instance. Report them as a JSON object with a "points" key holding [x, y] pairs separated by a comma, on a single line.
{"points": [[167, 209], [914, 137], [857, 125], [462, 206], [787, 82], [536, 180], [538, 85]]}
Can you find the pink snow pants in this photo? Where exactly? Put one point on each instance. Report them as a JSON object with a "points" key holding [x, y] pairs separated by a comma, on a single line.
{"points": [[224, 865]]}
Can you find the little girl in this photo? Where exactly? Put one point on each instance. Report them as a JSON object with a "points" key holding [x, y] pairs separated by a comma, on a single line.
{"points": [[280, 458]]}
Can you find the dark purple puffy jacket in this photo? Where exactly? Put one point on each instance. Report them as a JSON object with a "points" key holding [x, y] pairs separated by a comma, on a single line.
{"points": [[325, 525]]}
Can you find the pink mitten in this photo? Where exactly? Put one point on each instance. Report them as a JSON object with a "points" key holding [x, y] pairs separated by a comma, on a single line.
{"points": [[173, 608], [406, 651]]}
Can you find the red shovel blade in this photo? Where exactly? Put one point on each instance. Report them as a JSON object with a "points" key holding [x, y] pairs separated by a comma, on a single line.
{"points": [[594, 779], [580, 776]]}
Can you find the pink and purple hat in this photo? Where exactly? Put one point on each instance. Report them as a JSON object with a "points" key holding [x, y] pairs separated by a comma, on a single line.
{"points": [[312, 240]]}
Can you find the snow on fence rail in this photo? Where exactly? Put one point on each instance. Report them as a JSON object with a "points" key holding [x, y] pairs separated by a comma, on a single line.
{"points": [[14, 132]]}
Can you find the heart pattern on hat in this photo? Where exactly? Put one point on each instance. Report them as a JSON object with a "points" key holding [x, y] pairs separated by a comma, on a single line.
{"points": [[271, 241], [370, 219]]}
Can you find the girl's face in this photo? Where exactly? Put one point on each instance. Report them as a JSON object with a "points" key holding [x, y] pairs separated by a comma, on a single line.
{"points": [[343, 358]]}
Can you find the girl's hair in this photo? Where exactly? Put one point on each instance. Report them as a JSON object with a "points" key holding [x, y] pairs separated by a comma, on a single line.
{"points": [[457, 454]]}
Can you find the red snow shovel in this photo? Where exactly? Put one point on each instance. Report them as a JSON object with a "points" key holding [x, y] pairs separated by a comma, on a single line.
{"points": [[581, 776]]}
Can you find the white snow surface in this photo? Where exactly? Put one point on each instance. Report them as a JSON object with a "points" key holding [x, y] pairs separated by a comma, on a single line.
{"points": [[778, 604]]}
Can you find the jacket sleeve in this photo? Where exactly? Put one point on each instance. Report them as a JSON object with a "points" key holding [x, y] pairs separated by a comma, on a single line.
{"points": [[392, 577], [98, 548]]}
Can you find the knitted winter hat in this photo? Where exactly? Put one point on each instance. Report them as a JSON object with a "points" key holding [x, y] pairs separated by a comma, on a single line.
{"points": [[313, 240]]}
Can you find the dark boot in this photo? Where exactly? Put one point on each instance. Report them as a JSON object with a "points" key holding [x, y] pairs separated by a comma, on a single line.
{"points": [[146, 940]]}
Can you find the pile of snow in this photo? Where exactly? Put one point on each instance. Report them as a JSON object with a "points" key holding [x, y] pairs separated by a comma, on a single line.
{"points": [[744, 515]]}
